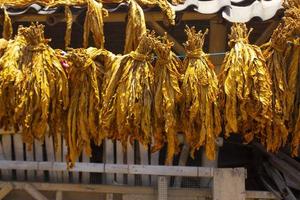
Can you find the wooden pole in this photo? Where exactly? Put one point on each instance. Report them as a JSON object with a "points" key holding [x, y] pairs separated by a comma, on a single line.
{"points": [[229, 184], [5, 190], [34, 192], [162, 187]]}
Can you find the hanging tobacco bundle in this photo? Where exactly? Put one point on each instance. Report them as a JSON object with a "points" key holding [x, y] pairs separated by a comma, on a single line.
{"points": [[292, 56], [246, 88], [83, 112], [136, 26], [166, 98], [11, 78], [7, 26], [3, 46], [164, 5], [69, 22], [276, 51], [127, 96], [200, 112], [94, 23], [44, 90]]}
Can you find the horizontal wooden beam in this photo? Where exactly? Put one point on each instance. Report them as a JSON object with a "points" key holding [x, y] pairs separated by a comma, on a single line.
{"points": [[138, 190], [113, 17], [110, 168]]}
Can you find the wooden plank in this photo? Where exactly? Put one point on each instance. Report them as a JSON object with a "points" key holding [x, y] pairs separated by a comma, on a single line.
{"points": [[58, 157], [34, 192], [265, 36], [113, 17], [154, 161], [5, 190], [19, 154], [4, 173], [109, 159], [130, 161], [30, 157], [229, 183], [217, 42], [38, 151], [59, 195], [162, 187], [137, 197], [50, 156], [178, 48], [120, 160], [260, 195], [7, 153], [111, 168], [97, 188], [184, 155], [85, 175], [144, 161], [64, 154]]}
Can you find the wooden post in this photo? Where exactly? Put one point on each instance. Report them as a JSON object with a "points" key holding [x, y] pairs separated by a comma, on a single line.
{"points": [[5, 190], [85, 176], [109, 159], [162, 188], [50, 156], [38, 150], [7, 154], [184, 156], [229, 184], [120, 160], [34, 192], [217, 42], [59, 195], [19, 154], [130, 161]]}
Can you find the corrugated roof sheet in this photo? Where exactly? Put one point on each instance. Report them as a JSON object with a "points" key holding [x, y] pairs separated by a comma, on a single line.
{"points": [[231, 10]]}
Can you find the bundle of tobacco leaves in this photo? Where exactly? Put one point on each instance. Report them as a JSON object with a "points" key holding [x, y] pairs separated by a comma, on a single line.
{"points": [[44, 89], [167, 97], [7, 26], [83, 112], [246, 88], [136, 26], [200, 110], [3, 46], [164, 5], [69, 22], [284, 73], [94, 23], [11, 77], [291, 23], [128, 96]]}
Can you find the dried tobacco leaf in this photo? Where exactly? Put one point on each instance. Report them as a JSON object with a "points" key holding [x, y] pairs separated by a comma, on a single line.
{"points": [[44, 90], [164, 5], [246, 88], [7, 26], [83, 112], [11, 77], [167, 97], [69, 22], [200, 110], [94, 23], [135, 28], [128, 96]]}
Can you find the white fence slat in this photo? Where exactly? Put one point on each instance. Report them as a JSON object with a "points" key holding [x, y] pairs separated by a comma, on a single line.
{"points": [[130, 161], [85, 175], [50, 156], [144, 161], [120, 160], [109, 159], [7, 155], [30, 157], [38, 151], [19, 154], [64, 153]]}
